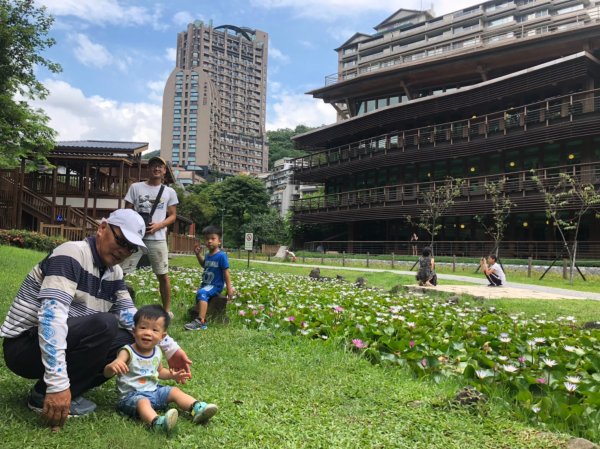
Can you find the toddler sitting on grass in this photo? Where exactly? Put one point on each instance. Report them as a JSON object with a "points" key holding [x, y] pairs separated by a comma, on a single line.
{"points": [[138, 367]]}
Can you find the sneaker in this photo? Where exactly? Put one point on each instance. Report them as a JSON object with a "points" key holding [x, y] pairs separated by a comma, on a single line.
{"points": [[491, 285], [202, 412], [80, 406], [196, 325], [167, 422]]}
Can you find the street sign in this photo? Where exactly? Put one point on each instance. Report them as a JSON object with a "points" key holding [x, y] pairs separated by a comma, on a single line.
{"points": [[248, 241]]}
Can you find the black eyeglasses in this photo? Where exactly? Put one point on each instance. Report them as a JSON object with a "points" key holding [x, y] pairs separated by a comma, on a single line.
{"points": [[123, 242]]}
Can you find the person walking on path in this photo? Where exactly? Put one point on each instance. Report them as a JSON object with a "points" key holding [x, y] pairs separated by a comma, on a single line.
{"points": [[158, 205], [72, 314]]}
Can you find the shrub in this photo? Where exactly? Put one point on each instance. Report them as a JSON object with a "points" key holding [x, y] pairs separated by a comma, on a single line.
{"points": [[29, 239]]}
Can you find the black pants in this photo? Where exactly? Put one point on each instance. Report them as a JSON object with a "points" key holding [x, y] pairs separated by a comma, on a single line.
{"points": [[493, 279], [92, 342]]}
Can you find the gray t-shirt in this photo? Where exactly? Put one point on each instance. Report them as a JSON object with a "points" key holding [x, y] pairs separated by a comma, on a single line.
{"points": [[143, 196]]}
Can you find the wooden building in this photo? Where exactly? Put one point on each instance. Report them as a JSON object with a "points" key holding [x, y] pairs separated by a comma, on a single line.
{"points": [[501, 90], [86, 181]]}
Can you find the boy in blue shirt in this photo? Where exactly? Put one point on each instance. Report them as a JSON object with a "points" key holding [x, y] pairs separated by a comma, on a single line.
{"points": [[214, 278]]}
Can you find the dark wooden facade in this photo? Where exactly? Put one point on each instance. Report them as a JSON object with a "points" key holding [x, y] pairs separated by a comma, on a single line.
{"points": [[534, 112]]}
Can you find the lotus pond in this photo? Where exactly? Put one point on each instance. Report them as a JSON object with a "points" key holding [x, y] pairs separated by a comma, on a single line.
{"points": [[549, 369]]}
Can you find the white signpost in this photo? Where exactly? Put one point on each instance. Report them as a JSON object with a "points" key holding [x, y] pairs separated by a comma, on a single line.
{"points": [[248, 244], [249, 241]]}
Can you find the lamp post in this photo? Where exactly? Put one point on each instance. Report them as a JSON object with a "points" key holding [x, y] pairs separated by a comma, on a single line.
{"points": [[222, 228]]}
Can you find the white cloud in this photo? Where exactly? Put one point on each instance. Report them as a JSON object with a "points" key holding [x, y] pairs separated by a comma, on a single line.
{"points": [[292, 109], [157, 88], [183, 18], [171, 54], [89, 53], [341, 34], [75, 116], [331, 10], [101, 12], [328, 10], [307, 44], [278, 55]]}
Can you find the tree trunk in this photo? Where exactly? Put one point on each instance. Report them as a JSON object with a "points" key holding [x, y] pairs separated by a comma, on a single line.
{"points": [[573, 262]]}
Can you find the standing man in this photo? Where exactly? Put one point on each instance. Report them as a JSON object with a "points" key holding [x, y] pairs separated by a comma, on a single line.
{"points": [[141, 197], [72, 315]]}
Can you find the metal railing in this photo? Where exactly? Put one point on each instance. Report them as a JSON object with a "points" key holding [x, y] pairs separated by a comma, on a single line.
{"points": [[520, 182], [456, 45], [540, 250], [520, 118]]}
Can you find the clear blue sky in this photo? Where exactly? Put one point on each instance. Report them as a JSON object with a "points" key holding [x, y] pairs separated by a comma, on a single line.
{"points": [[116, 56]]}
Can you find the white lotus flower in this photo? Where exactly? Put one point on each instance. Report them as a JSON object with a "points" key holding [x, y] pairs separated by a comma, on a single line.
{"points": [[571, 387]]}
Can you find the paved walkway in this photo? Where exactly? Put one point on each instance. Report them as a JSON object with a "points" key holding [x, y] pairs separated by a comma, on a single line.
{"points": [[476, 286]]}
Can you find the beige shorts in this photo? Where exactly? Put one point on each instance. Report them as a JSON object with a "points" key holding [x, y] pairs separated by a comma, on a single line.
{"points": [[158, 254]]}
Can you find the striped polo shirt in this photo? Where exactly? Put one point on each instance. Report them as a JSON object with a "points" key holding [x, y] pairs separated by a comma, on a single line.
{"points": [[70, 282]]}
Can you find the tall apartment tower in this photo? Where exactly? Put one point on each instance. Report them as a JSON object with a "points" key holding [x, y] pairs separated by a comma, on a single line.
{"points": [[214, 103]]}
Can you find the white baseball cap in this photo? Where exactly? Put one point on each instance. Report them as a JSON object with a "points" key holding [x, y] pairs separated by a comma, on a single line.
{"points": [[132, 226]]}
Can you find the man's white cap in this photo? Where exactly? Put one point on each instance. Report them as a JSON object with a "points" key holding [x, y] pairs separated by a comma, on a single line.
{"points": [[132, 226]]}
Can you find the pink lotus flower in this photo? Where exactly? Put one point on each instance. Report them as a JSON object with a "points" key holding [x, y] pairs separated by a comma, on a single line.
{"points": [[411, 343], [424, 363], [540, 380], [357, 342], [291, 318], [242, 313], [338, 309]]}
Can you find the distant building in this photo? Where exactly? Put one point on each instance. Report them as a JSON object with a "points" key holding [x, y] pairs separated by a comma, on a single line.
{"points": [[214, 103], [281, 187], [501, 90]]}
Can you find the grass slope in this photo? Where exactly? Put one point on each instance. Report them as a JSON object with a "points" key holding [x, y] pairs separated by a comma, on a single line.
{"points": [[274, 391]]}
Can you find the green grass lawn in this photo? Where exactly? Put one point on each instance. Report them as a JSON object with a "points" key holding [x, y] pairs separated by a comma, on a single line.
{"points": [[274, 391]]}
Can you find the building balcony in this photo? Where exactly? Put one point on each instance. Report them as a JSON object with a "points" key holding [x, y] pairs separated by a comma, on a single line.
{"points": [[452, 45], [537, 122], [401, 200]]}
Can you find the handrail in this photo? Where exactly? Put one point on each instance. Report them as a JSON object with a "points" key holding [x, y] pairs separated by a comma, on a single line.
{"points": [[518, 181], [43, 207], [523, 117]]}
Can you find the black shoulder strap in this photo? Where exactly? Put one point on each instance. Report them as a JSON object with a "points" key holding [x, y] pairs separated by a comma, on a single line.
{"points": [[162, 187]]}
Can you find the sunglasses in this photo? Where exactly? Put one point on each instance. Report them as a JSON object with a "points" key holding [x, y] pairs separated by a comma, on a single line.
{"points": [[122, 241]]}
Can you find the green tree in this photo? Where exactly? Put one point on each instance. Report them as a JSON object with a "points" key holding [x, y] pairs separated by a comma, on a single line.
{"points": [[270, 228], [238, 198], [195, 203], [567, 200], [495, 224], [436, 200], [281, 144], [24, 132]]}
